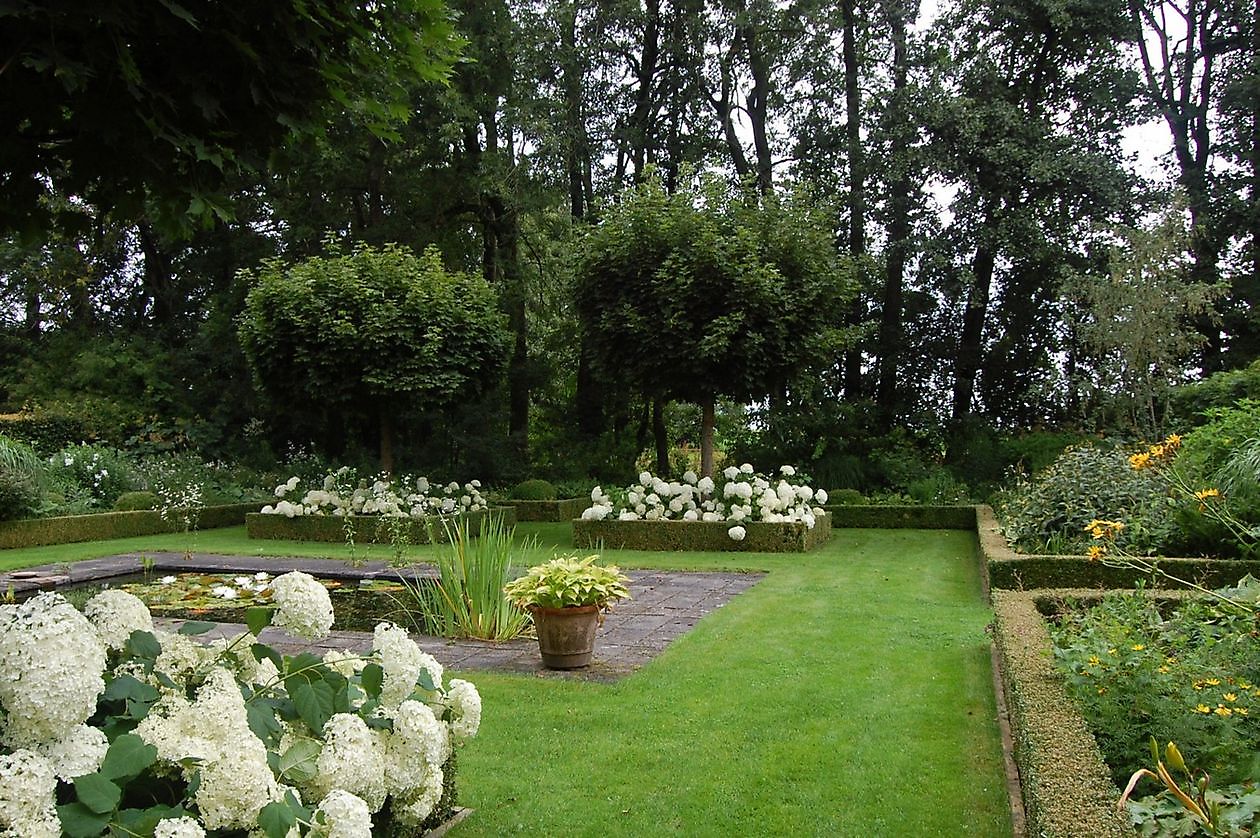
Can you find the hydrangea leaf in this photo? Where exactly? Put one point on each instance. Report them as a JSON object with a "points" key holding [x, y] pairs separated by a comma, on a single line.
{"points": [[258, 619], [371, 679], [128, 756], [276, 819], [191, 628], [142, 644], [78, 821], [98, 793], [314, 702], [297, 764]]}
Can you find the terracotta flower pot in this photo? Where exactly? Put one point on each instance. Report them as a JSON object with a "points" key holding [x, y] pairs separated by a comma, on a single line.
{"points": [[566, 636]]}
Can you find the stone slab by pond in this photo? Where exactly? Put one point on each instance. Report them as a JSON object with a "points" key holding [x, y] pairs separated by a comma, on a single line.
{"points": [[664, 605], [701, 536]]}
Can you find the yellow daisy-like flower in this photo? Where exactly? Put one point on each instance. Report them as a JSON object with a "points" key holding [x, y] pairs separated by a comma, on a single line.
{"points": [[1163, 670], [1094, 660], [1242, 711], [1244, 685], [1138, 647], [1140, 461], [1173, 441], [1230, 697], [1212, 682], [1203, 708], [1223, 711], [1095, 551], [1204, 494]]}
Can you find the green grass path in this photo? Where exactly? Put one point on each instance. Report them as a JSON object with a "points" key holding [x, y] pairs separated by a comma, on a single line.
{"points": [[847, 694]]}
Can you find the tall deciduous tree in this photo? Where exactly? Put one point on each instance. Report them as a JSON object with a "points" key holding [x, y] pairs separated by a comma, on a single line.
{"points": [[381, 329], [710, 292]]}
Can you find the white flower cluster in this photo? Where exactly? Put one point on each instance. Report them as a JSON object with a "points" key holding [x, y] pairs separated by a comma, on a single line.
{"points": [[742, 497], [405, 498], [303, 607], [52, 661]]}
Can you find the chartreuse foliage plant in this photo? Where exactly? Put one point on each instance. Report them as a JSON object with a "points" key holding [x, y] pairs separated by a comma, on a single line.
{"points": [[568, 581], [115, 727]]}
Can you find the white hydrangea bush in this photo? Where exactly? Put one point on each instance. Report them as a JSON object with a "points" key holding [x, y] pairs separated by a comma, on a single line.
{"points": [[340, 494], [111, 726], [741, 496]]}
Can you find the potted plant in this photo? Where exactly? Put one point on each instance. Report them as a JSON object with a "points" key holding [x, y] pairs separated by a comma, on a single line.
{"points": [[567, 598]]}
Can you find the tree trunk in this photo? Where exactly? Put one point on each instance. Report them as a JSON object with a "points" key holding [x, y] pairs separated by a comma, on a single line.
{"points": [[853, 386], [707, 422], [899, 200], [970, 342], [661, 434], [756, 106], [387, 442]]}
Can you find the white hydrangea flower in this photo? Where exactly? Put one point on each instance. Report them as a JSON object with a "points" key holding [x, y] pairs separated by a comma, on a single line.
{"points": [[303, 606], [691, 515], [418, 745], [28, 786], [705, 485], [235, 789], [787, 471], [350, 760], [344, 816], [465, 704], [178, 828], [689, 477], [711, 517], [402, 660], [737, 533], [412, 809], [730, 472], [747, 468], [51, 661], [116, 614], [645, 479], [596, 494], [821, 496], [79, 752], [628, 515], [344, 663]]}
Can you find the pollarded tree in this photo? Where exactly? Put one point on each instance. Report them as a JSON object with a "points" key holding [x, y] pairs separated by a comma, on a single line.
{"points": [[710, 292], [385, 330]]}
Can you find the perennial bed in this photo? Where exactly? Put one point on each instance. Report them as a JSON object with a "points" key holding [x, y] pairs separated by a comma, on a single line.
{"points": [[366, 529], [761, 537]]}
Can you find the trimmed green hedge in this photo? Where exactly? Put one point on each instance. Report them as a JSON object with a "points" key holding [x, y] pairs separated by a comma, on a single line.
{"points": [[368, 529], [700, 536], [38, 532], [565, 509], [903, 517], [1067, 788], [1018, 571]]}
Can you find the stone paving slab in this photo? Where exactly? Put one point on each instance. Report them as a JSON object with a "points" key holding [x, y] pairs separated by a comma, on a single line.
{"points": [[663, 606]]}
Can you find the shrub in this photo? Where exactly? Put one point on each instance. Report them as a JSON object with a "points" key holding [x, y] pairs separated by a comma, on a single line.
{"points": [[1084, 484], [19, 494], [533, 490], [846, 497], [1219, 390], [133, 501], [101, 472]]}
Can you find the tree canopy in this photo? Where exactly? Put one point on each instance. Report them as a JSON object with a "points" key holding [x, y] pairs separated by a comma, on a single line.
{"points": [[381, 329], [711, 291], [129, 103]]}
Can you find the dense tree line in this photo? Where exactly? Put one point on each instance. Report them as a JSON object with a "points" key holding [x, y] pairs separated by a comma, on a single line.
{"points": [[970, 165]]}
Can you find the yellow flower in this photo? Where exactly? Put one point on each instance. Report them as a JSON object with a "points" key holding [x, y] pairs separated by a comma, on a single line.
{"points": [[1223, 711], [1094, 660], [1203, 708], [1140, 461], [1242, 711], [1212, 682], [1095, 551], [1173, 441], [1204, 494], [1229, 697], [1163, 670], [1138, 647]]}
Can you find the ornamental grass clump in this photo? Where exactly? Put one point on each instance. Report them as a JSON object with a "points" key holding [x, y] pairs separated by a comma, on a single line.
{"points": [[741, 497], [112, 726], [341, 494]]}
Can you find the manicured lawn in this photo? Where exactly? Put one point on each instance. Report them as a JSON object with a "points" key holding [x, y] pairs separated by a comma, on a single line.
{"points": [[848, 693]]}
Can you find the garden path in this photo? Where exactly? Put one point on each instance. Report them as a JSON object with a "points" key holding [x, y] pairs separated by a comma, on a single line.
{"points": [[663, 606]]}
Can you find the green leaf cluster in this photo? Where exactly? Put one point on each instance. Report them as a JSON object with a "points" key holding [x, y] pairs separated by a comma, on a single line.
{"points": [[568, 581]]}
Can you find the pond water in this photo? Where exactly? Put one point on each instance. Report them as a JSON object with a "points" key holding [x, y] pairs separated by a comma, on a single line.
{"points": [[358, 605]]}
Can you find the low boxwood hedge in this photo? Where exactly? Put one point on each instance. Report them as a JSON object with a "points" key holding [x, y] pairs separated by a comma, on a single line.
{"points": [[368, 529], [903, 517], [700, 536], [565, 509], [1019, 571], [1067, 788], [38, 532]]}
